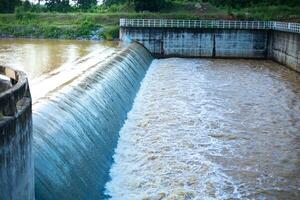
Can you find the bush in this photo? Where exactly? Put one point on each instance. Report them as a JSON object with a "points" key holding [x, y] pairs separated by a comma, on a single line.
{"points": [[21, 14], [146, 5], [85, 28], [110, 33]]}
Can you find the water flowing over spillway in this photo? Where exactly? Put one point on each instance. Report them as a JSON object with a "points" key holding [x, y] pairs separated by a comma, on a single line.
{"points": [[76, 129], [211, 129]]}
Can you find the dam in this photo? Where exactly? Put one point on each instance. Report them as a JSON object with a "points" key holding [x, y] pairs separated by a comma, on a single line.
{"points": [[184, 110], [278, 41]]}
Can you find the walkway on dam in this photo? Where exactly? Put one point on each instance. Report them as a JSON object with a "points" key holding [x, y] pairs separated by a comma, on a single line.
{"points": [[211, 129]]}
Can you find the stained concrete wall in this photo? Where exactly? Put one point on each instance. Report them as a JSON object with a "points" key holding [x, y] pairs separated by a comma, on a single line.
{"points": [[16, 160], [284, 47], [167, 42]]}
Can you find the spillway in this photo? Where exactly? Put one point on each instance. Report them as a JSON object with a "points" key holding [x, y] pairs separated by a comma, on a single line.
{"points": [[211, 129], [195, 129], [76, 129]]}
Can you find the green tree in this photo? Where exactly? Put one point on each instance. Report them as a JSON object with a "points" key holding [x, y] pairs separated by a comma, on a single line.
{"points": [[8, 6], [146, 5], [85, 4], [26, 5], [111, 2], [58, 5], [246, 3]]}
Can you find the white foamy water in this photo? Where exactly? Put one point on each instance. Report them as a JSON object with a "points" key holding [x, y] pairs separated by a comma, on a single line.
{"points": [[211, 129]]}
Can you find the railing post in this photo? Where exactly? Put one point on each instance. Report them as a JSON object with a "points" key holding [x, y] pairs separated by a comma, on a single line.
{"points": [[266, 25]]}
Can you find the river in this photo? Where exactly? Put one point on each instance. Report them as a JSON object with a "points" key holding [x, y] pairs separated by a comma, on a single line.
{"points": [[211, 129]]}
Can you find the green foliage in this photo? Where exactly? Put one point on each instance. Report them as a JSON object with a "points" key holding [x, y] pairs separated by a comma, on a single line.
{"points": [[86, 27], [22, 14], [114, 2], [110, 32], [27, 6], [58, 5], [114, 8], [85, 4], [268, 13], [154, 5], [250, 3], [8, 6]]}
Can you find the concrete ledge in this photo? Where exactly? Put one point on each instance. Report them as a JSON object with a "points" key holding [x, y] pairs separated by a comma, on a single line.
{"points": [[16, 160], [19, 90]]}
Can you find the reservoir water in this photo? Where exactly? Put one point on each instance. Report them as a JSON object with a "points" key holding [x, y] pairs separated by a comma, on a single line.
{"points": [[50, 64], [211, 129], [37, 57]]}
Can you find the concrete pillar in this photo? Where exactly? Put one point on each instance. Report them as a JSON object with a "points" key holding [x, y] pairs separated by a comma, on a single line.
{"points": [[16, 160]]}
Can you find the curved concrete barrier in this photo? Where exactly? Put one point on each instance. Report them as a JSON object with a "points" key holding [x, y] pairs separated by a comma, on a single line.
{"points": [[16, 161]]}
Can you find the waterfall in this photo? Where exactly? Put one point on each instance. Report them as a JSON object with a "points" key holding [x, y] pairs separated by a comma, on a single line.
{"points": [[76, 129]]}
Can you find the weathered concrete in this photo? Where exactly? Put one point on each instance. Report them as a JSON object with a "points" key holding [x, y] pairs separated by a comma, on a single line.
{"points": [[279, 41], [16, 161], [184, 42], [284, 48], [4, 85]]}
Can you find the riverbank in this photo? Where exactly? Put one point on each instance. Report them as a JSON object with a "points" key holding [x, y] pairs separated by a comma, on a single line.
{"points": [[104, 24], [54, 26]]}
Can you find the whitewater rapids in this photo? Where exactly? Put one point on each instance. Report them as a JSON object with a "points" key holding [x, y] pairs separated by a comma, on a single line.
{"points": [[211, 129]]}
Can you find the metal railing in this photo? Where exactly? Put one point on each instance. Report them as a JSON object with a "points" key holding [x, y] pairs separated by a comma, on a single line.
{"points": [[219, 24], [286, 26]]}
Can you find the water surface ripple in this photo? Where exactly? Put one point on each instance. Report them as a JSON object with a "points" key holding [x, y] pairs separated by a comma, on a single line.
{"points": [[211, 129]]}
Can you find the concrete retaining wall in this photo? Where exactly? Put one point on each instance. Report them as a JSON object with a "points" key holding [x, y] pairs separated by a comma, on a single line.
{"points": [[284, 47], [167, 42], [16, 160]]}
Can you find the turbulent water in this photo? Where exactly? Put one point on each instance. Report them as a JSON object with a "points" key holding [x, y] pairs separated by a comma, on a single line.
{"points": [[211, 129], [76, 128]]}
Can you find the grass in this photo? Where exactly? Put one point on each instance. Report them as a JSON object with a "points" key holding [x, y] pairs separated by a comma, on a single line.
{"points": [[84, 25], [275, 13]]}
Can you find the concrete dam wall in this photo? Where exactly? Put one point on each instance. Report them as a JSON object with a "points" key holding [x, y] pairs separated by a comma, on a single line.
{"points": [[76, 130], [16, 160], [284, 47], [217, 39], [185, 42]]}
